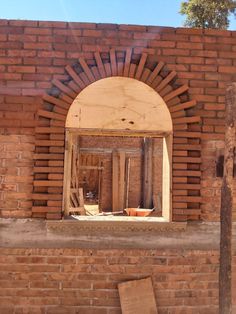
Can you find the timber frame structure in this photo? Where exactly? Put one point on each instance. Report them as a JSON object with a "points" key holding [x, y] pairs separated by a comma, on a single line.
{"points": [[50, 130]]}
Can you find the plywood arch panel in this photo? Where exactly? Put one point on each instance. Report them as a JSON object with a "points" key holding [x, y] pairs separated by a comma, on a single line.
{"points": [[119, 103], [50, 129]]}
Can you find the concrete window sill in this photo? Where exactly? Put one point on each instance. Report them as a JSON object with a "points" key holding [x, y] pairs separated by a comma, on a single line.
{"points": [[111, 224]]}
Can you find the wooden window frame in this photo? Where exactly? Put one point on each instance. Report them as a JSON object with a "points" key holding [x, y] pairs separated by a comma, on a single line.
{"points": [[73, 133]]}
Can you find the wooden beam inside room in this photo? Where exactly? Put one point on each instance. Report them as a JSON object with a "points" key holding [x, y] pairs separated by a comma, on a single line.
{"points": [[115, 181], [147, 173]]}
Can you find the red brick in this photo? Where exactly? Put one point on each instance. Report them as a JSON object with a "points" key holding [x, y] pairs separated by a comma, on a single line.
{"points": [[52, 24], [38, 31], [41, 46], [184, 45], [92, 33], [190, 60], [21, 69], [225, 69], [138, 28], [76, 25]]}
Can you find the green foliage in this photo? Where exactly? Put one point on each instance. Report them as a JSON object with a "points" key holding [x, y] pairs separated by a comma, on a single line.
{"points": [[208, 13]]}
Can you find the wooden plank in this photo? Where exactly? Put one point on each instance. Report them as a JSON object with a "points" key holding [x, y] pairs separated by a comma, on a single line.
{"points": [[226, 206], [65, 89], [100, 65], [86, 69], [121, 179], [67, 173], [81, 201], [185, 105], [51, 115], [76, 209], [137, 296], [182, 89], [127, 181], [91, 168], [147, 173], [155, 72], [127, 61], [115, 181], [56, 101], [113, 62], [141, 66], [129, 133], [75, 76]]}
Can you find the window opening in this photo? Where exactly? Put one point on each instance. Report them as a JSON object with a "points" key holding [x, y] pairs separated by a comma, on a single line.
{"points": [[116, 175]]}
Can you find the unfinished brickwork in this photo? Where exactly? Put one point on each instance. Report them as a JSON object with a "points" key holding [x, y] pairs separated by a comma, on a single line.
{"points": [[85, 281], [38, 63], [35, 54]]}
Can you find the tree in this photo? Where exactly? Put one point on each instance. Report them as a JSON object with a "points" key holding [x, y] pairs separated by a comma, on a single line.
{"points": [[208, 13]]}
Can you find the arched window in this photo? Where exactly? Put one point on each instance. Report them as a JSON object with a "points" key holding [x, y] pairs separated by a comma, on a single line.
{"points": [[118, 149]]}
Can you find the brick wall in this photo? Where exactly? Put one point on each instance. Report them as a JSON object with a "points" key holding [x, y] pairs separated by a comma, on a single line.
{"points": [[85, 281], [33, 53]]}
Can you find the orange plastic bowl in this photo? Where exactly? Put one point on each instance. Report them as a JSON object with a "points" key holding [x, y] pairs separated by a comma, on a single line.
{"points": [[141, 212]]}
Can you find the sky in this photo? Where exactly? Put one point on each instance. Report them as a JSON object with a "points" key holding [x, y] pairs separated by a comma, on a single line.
{"points": [[143, 12]]}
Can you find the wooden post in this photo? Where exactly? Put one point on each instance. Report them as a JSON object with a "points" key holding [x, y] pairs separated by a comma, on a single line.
{"points": [[67, 173], [121, 179], [115, 181], [147, 175], [225, 298]]}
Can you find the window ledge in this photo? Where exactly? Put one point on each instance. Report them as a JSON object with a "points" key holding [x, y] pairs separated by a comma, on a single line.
{"points": [[92, 224]]}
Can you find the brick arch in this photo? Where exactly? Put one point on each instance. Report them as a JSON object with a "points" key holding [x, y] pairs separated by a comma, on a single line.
{"points": [[49, 151]]}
